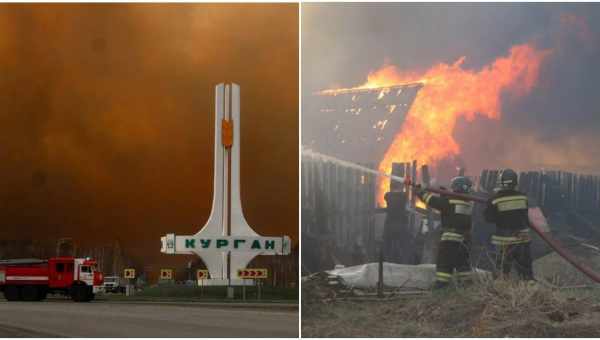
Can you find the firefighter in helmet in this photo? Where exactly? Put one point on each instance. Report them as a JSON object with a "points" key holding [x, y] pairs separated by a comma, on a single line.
{"points": [[508, 209], [454, 248]]}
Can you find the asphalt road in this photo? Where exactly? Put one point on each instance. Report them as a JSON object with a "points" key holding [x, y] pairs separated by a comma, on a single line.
{"points": [[106, 319]]}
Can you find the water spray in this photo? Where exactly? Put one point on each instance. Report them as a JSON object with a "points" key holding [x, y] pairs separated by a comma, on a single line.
{"points": [[346, 164], [404, 180]]}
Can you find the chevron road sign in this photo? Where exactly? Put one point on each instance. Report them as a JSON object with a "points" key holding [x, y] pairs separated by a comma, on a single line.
{"points": [[166, 274], [129, 273], [202, 274], [249, 273]]}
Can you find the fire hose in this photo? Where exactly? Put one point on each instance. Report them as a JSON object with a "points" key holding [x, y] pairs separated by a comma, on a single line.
{"points": [[407, 181], [538, 230]]}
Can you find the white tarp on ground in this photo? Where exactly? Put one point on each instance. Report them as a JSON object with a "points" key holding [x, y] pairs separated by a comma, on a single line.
{"points": [[406, 276]]}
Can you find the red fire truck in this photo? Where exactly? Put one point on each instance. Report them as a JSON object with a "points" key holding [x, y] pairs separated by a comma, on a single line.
{"points": [[33, 279]]}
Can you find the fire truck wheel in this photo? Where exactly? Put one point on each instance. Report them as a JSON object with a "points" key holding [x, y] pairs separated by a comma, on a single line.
{"points": [[12, 293], [29, 293], [89, 293], [77, 293], [42, 293], [81, 293]]}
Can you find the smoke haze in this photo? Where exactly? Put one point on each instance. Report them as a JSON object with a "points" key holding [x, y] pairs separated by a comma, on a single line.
{"points": [[107, 117]]}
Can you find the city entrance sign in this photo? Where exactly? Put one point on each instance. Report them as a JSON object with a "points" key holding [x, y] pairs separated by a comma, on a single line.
{"points": [[226, 243]]}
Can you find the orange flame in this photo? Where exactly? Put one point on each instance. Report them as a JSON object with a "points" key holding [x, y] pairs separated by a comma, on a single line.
{"points": [[451, 92], [385, 77]]}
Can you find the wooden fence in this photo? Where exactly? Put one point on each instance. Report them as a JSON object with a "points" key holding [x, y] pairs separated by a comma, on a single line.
{"points": [[341, 223], [337, 213]]}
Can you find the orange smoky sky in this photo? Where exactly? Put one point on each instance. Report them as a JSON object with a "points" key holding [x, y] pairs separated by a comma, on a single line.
{"points": [[106, 118]]}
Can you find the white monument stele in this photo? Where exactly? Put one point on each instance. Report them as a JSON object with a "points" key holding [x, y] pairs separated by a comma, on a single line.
{"points": [[226, 243]]}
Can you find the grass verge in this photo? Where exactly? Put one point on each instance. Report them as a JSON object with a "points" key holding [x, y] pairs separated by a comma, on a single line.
{"points": [[485, 309], [209, 294]]}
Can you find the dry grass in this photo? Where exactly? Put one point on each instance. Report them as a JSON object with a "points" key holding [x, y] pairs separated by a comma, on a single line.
{"points": [[486, 309]]}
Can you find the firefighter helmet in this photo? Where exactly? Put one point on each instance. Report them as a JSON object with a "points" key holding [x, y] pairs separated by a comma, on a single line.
{"points": [[507, 179], [461, 184]]}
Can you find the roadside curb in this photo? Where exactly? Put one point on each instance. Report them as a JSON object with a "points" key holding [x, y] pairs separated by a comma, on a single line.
{"points": [[252, 305], [278, 306]]}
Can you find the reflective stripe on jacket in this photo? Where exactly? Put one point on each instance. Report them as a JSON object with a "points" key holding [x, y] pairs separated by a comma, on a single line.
{"points": [[509, 203], [455, 214], [508, 210], [521, 237], [450, 236]]}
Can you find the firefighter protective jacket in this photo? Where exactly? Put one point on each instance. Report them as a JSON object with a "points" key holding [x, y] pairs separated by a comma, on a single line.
{"points": [[508, 209], [455, 213]]}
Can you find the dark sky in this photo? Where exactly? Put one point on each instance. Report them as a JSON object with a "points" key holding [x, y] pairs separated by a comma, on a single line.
{"points": [[557, 125], [107, 116]]}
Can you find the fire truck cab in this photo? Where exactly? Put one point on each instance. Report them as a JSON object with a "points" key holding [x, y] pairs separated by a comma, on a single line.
{"points": [[33, 279]]}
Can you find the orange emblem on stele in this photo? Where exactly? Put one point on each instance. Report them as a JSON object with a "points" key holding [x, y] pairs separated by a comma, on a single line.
{"points": [[226, 133]]}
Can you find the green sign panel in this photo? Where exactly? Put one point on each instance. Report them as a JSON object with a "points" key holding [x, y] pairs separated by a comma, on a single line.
{"points": [[223, 243], [254, 244]]}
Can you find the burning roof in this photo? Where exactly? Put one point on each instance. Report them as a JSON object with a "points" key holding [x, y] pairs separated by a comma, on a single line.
{"points": [[356, 124], [423, 131]]}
